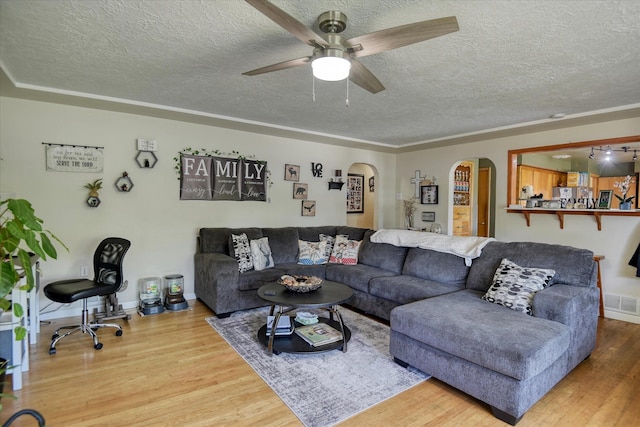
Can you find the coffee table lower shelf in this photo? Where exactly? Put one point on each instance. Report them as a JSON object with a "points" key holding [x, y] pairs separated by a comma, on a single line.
{"points": [[294, 344]]}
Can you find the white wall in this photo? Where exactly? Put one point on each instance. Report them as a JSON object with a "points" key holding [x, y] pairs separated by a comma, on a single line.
{"points": [[162, 228], [617, 240]]}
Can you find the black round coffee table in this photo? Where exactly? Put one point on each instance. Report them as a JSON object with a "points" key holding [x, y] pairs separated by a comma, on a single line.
{"points": [[327, 297]]}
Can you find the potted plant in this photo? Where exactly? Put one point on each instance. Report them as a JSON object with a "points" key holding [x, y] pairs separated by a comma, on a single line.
{"points": [[94, 187], [21, 236], [623, 186]]}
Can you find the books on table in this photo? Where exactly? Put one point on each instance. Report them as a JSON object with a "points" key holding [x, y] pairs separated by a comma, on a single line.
{"points": [[319, 334], [285, 327]]}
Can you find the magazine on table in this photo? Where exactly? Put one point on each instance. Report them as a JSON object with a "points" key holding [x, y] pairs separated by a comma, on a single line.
{"points": [[285, 327], [319, 334]]}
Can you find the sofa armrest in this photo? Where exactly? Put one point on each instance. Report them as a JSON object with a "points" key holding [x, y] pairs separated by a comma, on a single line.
{"points": [[576, 307], [565, 303], [216, 277]]}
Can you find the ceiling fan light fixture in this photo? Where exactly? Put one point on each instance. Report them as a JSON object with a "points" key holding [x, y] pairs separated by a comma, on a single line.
{"points": [[331, 65]]}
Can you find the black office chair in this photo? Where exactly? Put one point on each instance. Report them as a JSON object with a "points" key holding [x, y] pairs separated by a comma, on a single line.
{"points": [[107, 270]]}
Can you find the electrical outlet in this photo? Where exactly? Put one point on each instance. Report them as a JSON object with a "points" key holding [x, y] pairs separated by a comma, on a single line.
{"points": [[84, 271]]}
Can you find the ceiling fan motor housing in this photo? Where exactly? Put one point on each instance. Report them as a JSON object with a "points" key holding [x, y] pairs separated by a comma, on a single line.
{"points": [[332, 21]]}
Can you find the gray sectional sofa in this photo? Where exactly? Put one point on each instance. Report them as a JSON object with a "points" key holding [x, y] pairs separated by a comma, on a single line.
{"points": [[439, 322]]}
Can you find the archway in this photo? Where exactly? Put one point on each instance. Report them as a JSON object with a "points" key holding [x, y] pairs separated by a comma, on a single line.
{"points": [[472, 198], [361, 201]]}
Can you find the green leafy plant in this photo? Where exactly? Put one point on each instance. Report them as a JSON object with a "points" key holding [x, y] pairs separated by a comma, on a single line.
{"points": [[94, 187], [21, 233]]}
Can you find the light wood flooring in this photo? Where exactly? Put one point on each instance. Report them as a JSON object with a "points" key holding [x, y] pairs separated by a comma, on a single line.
{"points": [[173, 369]]}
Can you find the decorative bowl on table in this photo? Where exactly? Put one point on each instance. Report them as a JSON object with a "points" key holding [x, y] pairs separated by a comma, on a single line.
{"points": [[300, 283]]}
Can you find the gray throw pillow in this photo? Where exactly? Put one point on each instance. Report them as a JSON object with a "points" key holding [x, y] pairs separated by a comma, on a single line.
{"points": [[514, 286]]}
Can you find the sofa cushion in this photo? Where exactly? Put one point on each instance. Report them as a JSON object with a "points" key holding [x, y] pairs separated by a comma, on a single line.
{"points": [[436, 266], [355, 276], [344, 251], [252, 279], [261, 253], [573, 266], [241, 251], [382, 255], [514, 286], [354, 233], [489, 335], [295, 269], [311, 253], [284, 243], [216, 240], [312, 234], [405, 289]]}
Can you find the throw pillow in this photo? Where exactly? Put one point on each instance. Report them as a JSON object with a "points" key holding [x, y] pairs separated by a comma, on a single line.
{"points": [[241, 251], [330, 241], [514, 286], [261, 253], [345, 251], [312, 253]]}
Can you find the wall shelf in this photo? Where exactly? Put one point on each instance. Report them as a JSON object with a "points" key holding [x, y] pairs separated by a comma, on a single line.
{"points": [[560, 213], [335, 185]]}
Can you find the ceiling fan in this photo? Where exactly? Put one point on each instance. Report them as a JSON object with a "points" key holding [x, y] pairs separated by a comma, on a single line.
{"points": [[335, 58]]}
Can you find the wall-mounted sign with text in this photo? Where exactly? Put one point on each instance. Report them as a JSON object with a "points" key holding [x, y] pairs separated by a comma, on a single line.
{"points": [[74, 158], [220, 178]]}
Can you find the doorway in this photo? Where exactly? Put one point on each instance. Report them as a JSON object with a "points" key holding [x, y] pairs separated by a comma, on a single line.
{"points": [[366, 174], [472, 199]]}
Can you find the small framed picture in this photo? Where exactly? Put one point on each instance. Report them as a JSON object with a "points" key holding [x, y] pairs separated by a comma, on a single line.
{"points": [[291, 172], [300, 191], [604, 199], [428, 216], [308, 208], [429, 194]]}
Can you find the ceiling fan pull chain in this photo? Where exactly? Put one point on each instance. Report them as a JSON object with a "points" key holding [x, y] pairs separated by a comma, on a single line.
{"points": [[347, 100]]}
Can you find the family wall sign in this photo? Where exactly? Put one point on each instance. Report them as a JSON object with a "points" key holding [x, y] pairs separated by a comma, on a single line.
{"points": [[221, 178]]}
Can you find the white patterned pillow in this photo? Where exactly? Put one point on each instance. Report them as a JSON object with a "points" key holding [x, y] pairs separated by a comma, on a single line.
{"points": [[241, 251], [344, 251], [312, 253], [330, 241], [261, 253], [514, 286]]}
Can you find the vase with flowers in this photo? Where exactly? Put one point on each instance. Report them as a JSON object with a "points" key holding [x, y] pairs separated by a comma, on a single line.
{"points": [[623, 187], [409, 206]]}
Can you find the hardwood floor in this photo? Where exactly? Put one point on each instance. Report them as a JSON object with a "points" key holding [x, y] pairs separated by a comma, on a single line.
{"points": [[173, 369]]}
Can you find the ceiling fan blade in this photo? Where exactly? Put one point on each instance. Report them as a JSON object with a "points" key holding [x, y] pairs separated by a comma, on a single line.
{"points": [[364, 78], [279, 66], [404, 35], [288, 22]]}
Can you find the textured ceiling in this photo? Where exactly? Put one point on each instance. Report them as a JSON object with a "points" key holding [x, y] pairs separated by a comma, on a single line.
{"points": [[512, 62]]}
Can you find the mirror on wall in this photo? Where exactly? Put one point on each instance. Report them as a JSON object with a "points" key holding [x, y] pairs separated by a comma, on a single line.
{"points": [[541, 170]]}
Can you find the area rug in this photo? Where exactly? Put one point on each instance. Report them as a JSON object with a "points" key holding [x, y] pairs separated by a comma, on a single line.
{"points": [[323, 389]]}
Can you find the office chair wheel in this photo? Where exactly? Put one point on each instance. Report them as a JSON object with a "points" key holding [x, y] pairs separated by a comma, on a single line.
{"points": [[119, 333], [98, 346], [52, 351]]}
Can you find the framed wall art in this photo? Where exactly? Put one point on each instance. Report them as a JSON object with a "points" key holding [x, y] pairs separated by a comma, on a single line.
{"points": [[355, 195], [429, 194], [308, 208], [428, 216], [291, 172], [300, 191], [604, 199]]}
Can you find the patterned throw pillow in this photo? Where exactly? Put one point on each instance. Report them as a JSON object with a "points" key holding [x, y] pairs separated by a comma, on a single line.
{"points": [[330, 241], [261, 253], [514, 286], [241, 251], [312, 253], [345, 251]]}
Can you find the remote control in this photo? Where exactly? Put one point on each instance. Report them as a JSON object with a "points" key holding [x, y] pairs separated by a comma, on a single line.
{"points": [[271, 293]]}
